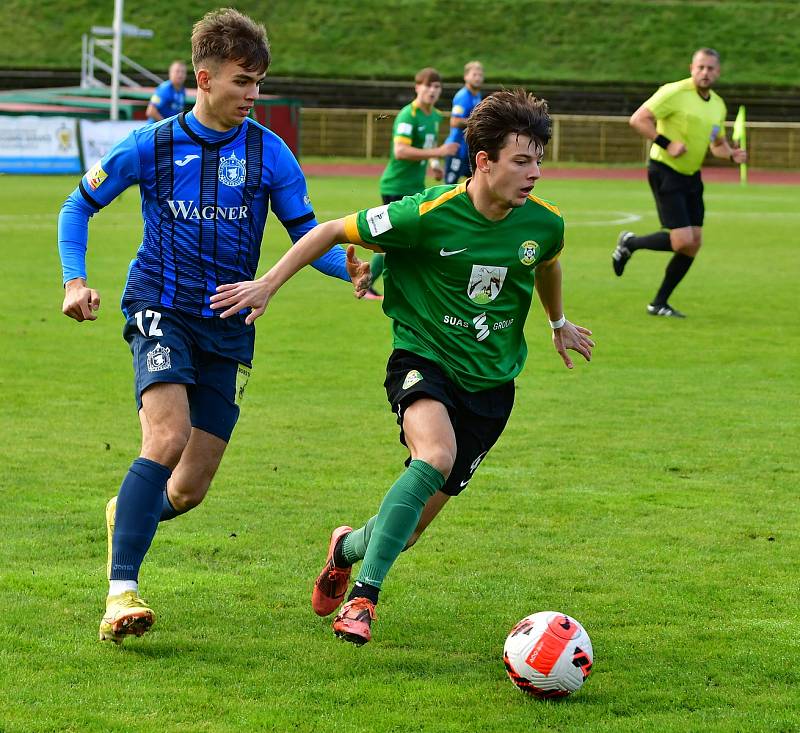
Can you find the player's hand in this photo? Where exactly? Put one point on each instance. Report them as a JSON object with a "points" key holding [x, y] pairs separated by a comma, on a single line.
{"points": [[449, 150], [739, 156], [437, 173], [359, 272], [676, 148], [80, 302], [234, 297], [574, 337]]}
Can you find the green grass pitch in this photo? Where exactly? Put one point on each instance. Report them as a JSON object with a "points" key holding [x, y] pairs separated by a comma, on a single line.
{"points": [[652, 494]]}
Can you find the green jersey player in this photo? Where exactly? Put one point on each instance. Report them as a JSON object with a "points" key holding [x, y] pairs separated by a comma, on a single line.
{"points": [[463, 261], [414, 137]]}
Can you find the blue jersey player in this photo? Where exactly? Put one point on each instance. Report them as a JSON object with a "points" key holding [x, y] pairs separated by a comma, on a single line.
{"points": [[464, 101], [207, 179], [169, 97]]}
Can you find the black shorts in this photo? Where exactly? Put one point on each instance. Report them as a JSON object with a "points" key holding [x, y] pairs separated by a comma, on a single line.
{"points": [[388, 198], [679, 198], [478, 418], [211, 356]]}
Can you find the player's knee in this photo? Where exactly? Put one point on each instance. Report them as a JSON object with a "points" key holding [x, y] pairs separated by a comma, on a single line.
{"points": [[165, 443], [441, 457], [185, 498], [682, 240]]}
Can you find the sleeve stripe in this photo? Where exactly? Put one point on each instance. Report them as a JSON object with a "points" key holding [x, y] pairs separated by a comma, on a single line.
{"points": [[351, 229], [299, 220], [402, 139], [86, 195]]}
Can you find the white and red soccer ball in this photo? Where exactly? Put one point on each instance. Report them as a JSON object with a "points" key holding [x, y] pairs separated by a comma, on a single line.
{"points": [[548, 655]]}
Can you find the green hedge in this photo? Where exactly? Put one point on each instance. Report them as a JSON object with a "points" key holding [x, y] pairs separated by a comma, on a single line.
{"points": [[561, 40]]}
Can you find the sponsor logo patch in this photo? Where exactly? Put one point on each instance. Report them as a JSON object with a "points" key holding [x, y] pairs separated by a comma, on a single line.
{"points": [[378, 220], [482, 330], [242, 377], [190, 210], [411, 379], [527, 252], [158, 359], [405, 128], [232, 170], [96, 176], [485, 283]]}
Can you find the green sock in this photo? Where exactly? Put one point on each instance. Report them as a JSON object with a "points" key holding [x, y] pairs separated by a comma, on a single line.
{"points": [[354, 545], [397, 519], [376, 265]]}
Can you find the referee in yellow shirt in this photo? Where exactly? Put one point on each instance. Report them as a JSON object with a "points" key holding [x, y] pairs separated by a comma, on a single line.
{"points": [[682, 119]]}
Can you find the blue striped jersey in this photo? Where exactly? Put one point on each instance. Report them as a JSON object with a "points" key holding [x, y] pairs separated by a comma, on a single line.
{"points": [[205, 196]]}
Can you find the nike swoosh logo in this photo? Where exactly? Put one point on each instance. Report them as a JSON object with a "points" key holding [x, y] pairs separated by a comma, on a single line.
{"points": [[187, 159], [445, 253], [464, 483]]}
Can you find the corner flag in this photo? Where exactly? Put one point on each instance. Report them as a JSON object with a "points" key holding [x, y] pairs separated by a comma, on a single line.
{"points": [[740, 138]]}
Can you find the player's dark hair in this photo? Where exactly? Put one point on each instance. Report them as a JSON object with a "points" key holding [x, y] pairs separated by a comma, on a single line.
{"points": [[427, 76], [507, 111], [708, 52], [226, 34]]}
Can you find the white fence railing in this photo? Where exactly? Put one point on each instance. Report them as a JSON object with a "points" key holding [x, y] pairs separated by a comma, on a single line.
{"points": [[367, 133]]}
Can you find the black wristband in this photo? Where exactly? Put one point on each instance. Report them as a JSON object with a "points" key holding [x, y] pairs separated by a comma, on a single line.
{"points": [[662, 141]]}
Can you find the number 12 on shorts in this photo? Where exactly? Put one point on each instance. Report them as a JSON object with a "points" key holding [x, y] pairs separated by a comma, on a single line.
{"points": [[154, 317]]}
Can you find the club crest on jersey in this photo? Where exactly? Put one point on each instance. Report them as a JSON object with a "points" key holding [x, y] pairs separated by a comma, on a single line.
{"points": [[232, 170], [527, 252], [485, 283], [411, 379], [158, 359]]}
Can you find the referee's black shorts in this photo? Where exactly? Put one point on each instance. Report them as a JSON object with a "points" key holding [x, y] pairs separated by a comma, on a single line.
{"points": [[478, 418], [679, 198]]}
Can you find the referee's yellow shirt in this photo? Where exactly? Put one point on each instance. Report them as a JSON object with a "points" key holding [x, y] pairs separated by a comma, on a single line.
{"points": [[682, 114]]}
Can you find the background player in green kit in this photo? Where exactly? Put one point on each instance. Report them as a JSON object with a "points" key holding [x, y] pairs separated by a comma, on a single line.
{"points": [[414, 137], [682, 119], [462, 263]]}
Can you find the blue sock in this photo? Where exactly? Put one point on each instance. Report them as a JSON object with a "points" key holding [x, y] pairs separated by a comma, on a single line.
{"points": [[138, 508], [167, 510]]}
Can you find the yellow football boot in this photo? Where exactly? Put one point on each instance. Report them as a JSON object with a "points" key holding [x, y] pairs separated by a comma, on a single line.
{"points": [[126, 615]]}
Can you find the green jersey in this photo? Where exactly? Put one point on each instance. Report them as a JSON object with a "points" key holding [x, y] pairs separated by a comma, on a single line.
{"points": [[412, 127], [459, 286], [682, 114]]}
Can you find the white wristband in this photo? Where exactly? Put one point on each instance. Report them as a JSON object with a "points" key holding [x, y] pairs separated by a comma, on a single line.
{"points": [[559, 323]]}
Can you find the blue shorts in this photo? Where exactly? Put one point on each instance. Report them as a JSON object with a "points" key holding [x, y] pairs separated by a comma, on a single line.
{"points": [[211, 356], [457, 166]]}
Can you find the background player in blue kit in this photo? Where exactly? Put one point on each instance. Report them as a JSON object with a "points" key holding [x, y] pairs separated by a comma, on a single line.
{"points": [[169, 97], [207, 179], [464, 101]]}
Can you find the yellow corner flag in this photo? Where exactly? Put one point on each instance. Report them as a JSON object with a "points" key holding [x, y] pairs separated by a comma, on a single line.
{"points": [[740, 138]]}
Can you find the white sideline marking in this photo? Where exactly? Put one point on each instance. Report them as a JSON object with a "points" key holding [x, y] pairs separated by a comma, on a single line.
{"points": [[623, 217]]}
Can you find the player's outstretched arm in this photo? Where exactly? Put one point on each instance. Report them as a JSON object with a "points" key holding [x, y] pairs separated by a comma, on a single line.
{"points": [[256, 294], [567, 336]]}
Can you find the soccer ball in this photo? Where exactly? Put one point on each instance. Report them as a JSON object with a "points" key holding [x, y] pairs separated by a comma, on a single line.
{"points": [[548, 655]]}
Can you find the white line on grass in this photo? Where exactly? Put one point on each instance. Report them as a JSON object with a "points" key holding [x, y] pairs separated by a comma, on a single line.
{"points": [[624, 217]]}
